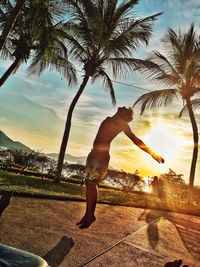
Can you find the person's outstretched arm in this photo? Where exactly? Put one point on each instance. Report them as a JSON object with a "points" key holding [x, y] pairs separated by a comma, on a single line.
{"points": [[142, 145]]}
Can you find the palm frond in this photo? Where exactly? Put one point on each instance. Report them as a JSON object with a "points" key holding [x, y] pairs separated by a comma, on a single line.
{"points": [[182, 48], [171, 40], [121, 67], [64, 67], [75, 47], [156, 99], [6, 51], [123, 10], [107, 11], [195, 104], [84, 14], [108, 85], [155, 71], [133, 33], [189, 40], [196, 91], [165, 64]]}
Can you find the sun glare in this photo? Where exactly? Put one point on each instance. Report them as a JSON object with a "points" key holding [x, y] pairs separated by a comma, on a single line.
{"points": [[164, 141], [147, 187]]}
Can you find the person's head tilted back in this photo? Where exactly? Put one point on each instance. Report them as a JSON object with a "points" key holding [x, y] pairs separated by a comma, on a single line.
{"points": [[125, 113]]}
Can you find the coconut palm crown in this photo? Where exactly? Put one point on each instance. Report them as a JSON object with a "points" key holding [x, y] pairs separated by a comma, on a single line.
{"points": [[179, 72], [103, 35], [10, 22], [37, 35]]}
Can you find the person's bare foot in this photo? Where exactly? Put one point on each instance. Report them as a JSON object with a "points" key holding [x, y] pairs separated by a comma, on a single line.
{"points": [[87, 222], [82, 220]]}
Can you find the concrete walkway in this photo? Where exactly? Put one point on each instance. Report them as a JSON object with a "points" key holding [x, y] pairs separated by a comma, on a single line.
{"points": [[121, 236]]}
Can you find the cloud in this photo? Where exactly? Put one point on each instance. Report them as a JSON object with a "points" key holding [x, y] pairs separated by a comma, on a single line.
{"points": [[176, 14]]}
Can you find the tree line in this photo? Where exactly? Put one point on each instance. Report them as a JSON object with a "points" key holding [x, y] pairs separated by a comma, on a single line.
{"points": [[37, 163]]}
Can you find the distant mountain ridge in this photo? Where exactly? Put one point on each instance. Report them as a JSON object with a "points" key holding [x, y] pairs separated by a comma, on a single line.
{"points": [[7, 142], [69, 158]]}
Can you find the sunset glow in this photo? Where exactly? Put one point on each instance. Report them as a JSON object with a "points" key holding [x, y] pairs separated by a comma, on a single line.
{"points": [[168, 136], [147, 187], [164, 141]]}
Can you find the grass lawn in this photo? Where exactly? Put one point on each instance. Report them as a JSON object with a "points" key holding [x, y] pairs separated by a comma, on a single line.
{"points": [[22, 185], [37, 187]]}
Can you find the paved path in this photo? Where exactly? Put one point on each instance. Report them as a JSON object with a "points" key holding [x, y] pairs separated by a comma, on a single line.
{"points": [[121, 236]]}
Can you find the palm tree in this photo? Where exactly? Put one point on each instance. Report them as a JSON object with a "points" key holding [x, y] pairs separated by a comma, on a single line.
{"points": [[17, 45], [179, 70], [19, 50], [38, 30], [100, 34], [51, 51], [11, 19]]}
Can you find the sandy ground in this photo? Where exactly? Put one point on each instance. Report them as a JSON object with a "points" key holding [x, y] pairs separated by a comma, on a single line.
{"points": [[123, 236]]}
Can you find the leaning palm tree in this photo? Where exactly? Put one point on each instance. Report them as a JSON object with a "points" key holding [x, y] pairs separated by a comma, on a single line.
{"points": [[100, 34], [179, 71]]}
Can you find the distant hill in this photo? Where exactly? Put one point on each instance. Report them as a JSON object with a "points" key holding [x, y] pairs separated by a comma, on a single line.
{"points": [[69, 158], [73, 159], [6, 142]]}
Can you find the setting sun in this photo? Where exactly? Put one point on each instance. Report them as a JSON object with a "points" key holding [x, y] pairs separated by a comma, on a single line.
{"points": [[164, 141], [147, 187], [166, 138]]}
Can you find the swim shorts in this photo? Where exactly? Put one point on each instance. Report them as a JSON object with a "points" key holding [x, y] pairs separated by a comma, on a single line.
{"points": [[96, 167]]}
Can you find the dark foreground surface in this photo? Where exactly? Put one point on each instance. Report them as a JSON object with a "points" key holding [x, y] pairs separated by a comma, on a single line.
{"points": [[121, 236]]}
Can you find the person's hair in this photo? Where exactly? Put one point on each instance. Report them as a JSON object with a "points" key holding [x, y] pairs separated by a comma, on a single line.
{"points": [[130, 110], [126, 113]]}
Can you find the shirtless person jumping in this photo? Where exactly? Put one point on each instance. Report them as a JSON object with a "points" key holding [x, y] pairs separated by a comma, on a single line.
{"points": [[98, 158]]}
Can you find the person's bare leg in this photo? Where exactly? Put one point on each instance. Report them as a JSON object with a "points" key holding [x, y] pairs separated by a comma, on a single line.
{"points": [[91, 201]]}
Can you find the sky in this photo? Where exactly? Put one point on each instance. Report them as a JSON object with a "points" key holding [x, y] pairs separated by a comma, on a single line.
{"points": [[33, 109]]}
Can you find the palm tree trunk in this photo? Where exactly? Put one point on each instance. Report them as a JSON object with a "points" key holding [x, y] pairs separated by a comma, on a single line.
{"points": [[67, 129], [195, 139], [9, 71], [10, 22]]}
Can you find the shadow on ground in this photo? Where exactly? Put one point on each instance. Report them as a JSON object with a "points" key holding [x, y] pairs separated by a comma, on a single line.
{"points": [[150, 216], [189, 235], [58, 253]]}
